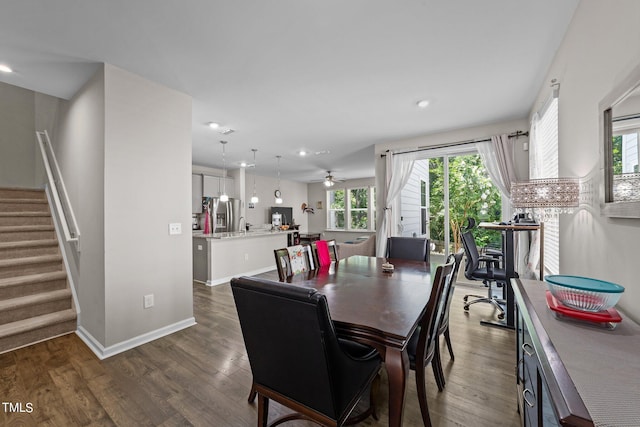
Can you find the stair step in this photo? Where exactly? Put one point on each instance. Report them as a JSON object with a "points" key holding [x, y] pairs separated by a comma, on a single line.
{"points": [[30, 265], [27, 248], [22, 193], [30, 331], [21, 205], [13, 287], [25, 218], [12, 310], [26, 232]]}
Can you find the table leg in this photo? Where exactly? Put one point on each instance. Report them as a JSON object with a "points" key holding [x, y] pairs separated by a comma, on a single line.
{"points": [[509, 266], [397, 364]]}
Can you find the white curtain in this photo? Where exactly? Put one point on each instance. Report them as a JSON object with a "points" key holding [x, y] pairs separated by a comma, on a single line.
{"points": [[398, 171], [497, 156]]}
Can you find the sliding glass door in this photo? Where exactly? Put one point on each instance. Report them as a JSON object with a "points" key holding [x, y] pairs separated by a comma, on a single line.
{"points": [[443, 191]]}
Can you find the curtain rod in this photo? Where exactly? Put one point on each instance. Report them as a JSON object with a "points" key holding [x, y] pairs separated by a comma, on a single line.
{"points": [[515, 134]]}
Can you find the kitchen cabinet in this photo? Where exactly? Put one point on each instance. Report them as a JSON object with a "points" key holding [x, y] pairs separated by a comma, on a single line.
{"points": [[196, 193], [570, 373], [213, 186]]}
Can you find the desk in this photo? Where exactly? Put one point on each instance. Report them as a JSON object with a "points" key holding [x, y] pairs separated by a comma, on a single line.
{"points": [[306, 239], [376, 308], [508, 247]]}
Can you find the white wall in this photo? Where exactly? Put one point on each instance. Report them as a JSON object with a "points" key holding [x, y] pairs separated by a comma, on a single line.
{"points": [[147, 177], [79, 147], [294, 194], [601, 47], [410, 199]]}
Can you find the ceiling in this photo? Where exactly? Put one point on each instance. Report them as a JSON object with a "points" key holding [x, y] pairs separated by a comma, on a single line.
{"points": [[332, 77]]}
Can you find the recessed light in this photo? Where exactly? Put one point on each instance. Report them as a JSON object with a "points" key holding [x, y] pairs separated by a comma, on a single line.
{"points": [[214, 125], [302, 153], [243, 164], [423, 103], [5, 68]]}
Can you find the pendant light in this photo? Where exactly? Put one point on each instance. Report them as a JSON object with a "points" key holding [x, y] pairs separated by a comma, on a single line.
{"points": [[277, 193], [254, 198], [224, 197]]}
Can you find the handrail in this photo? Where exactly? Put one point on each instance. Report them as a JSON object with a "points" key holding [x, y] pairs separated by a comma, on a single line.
{"points": [[58, 190]]}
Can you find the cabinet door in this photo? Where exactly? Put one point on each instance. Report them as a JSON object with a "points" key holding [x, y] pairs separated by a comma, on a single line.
{"points": [[211, 186], [196, 193], [227, 184]]}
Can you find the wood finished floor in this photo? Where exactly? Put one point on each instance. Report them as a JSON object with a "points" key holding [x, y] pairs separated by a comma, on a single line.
{"points": [[201, 376]]}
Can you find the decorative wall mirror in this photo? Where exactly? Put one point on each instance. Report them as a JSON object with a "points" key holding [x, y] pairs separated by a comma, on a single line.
{"points": [[621, 148]]}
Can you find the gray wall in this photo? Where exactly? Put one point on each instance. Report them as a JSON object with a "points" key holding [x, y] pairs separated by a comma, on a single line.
{"points": [[124, 146]]}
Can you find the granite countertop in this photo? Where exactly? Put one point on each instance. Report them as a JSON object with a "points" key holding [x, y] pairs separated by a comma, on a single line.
{"points": [[239, 234]]}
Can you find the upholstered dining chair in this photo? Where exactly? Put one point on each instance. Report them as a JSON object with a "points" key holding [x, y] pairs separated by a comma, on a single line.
{"points": [[293, 260], [414, 248], [296, 357], [324, 252], [421, 346], [443, 322]]}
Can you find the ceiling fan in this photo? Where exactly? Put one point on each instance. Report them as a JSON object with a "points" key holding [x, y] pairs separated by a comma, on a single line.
{"points": [[330, 180]]}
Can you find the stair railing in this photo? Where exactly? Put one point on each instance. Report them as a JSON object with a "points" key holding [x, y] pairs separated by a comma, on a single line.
{"points": [[58, 190]]}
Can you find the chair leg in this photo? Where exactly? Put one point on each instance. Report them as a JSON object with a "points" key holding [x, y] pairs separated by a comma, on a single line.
{"points": [[447, 339], [422, 394], [436, 366], [252, 394], [263, 411]]}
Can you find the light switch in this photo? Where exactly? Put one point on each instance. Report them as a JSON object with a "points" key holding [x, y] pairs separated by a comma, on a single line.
{"points": [[175, 228]]}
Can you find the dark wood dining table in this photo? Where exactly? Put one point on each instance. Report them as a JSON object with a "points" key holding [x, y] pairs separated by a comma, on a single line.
{"points": [[377, 308]]}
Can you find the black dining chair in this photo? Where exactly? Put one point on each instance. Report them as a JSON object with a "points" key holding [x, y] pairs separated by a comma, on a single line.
{"points": [[296, 357], [332, 249], [422, 344], [293, 260], [443, 323], [485, 268], [413, 248]]}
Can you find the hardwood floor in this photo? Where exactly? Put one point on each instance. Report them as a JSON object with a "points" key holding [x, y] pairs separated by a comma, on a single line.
{"points": [[201, 376]]}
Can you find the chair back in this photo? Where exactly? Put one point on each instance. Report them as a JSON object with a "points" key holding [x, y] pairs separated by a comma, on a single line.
{"points": [[471, 251], [413, 248], [331, 254], [293, 260], [292, 346], [429, 322], [448, 297]]}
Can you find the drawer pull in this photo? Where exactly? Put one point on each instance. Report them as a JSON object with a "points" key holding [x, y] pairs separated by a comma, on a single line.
{"points": [[520, 363], [528, 349], [524, 396]]}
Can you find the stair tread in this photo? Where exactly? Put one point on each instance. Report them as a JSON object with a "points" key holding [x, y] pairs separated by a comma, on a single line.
{"points": [[36, 322], [29, 260], [16, 200], [28, 244], [29, 278], [17, 228], [25, 213], [39, 298]]}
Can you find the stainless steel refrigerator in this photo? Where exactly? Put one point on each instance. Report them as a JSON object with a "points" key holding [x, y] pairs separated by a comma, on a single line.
{"points": [[225, 216]]}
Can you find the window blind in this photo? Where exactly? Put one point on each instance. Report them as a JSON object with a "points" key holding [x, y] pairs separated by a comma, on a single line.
{"points": [[544, 164]]}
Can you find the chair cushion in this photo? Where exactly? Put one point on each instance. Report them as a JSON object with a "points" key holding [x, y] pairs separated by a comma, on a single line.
{"points": [[297, 258]]}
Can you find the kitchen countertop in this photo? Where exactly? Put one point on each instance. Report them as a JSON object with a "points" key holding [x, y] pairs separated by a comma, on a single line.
{"points": [[239, 234]]}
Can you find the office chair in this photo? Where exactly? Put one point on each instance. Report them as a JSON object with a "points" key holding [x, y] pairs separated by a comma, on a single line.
{"points": [[296, 357], [486, 268], [414, 248], [421, 347]]}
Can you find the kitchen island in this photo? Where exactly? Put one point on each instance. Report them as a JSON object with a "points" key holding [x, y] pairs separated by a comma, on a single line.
{"points": [[218, 257]]}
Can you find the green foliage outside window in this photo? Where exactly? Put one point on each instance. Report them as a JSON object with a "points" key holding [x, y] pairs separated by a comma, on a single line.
{"points": [[617, 155], [471, 194]]}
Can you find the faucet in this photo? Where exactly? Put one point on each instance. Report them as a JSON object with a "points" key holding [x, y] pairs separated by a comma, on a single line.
{"points": [[284, 219], [245, 225]]}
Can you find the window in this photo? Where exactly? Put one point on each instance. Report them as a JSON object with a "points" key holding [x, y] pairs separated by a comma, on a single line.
{"points": [[356, 211], [543, 163]]}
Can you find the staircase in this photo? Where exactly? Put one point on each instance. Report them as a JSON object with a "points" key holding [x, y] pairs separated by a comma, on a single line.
{"points": [[36, 303]]}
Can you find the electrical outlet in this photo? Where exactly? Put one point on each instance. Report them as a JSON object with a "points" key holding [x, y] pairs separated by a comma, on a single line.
{"points": [[199, 247], [148, 301], [175, 228]]}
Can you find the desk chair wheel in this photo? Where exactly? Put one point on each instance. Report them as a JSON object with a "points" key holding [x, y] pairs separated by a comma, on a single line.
{"points": [[501, 316]]}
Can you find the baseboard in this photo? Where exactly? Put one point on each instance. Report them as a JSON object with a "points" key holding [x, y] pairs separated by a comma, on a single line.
{"points": [[105, 352], [224, 280]]}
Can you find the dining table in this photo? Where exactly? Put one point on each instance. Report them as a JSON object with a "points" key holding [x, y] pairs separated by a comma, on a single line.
{"points": [[377, 307]]}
